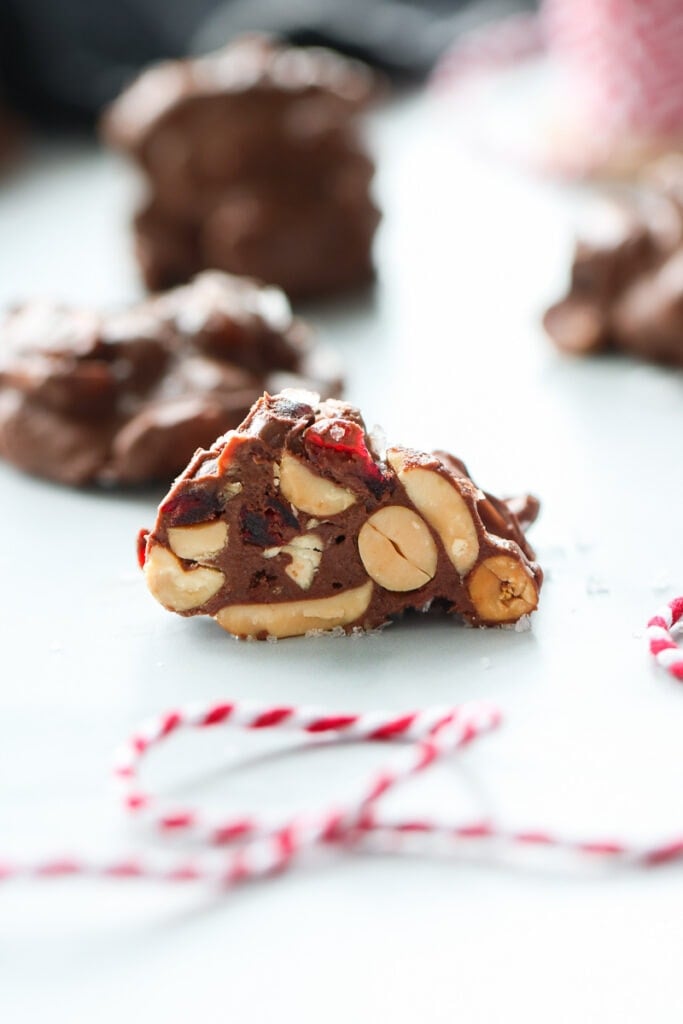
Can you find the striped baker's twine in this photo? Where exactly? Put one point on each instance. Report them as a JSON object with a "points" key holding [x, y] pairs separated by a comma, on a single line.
{"points": [[250, 847], [663, 647], [257, 847]]}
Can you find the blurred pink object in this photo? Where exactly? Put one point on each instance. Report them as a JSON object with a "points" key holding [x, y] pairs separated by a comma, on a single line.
{"points": [[626, 57], [618, 98], [490, 47]]}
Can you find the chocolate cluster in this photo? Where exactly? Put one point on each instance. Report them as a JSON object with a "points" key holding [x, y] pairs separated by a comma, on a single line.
{"points": [[128, 397], [626, 289], [295, 523], [253, 165]]}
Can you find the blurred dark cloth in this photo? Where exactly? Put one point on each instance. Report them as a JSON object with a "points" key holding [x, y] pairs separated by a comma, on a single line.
{"points": [[61, 61]]}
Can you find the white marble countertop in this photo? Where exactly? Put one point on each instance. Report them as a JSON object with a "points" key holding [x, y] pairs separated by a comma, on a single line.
{"points": [[447, 353]]}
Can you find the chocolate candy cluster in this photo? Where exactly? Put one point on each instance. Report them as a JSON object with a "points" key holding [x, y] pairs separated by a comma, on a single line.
{"points": [[253, 165], [294, 523], [128, 397], [626, 289]]}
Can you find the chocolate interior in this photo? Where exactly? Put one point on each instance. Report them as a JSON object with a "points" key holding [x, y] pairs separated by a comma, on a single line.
{"points": [[237, 481]]}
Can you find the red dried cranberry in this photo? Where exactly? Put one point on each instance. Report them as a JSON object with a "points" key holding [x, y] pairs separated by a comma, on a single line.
{"points": [[190, 506], [347, 439], [342, 436], [269, 526], [143, 534]]}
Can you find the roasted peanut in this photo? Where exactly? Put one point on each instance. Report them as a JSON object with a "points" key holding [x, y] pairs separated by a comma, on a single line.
{"points": [[199, 542], [309, 492], [397, 549], [293, 618], [305, 552], [502, 589], [174, 586], [444, 508]]}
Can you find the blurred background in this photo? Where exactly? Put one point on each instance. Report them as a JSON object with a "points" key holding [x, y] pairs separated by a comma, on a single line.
{"points": [[60, 63]]}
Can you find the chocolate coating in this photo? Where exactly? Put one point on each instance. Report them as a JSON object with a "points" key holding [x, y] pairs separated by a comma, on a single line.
{"points": [[626, 289], [314, 524], [254, 166], [128, 397]]}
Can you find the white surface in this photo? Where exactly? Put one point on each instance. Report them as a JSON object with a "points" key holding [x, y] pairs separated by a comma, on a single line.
{"points": [[447, 353]]}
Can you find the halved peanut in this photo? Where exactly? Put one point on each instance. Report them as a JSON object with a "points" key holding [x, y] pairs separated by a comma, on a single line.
{"points": [[305, 552], [293, 618], [397, 549], [502, 589], [198, 542], [309, 492], [177, 588], [443, 507]]}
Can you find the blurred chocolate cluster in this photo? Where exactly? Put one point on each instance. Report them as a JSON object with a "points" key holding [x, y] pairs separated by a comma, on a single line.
{"points": [[626, 289], [127, 397], [254, 166]]}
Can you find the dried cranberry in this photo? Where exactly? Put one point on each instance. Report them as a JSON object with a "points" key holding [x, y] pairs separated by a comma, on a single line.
{"points": [[342, 436], [190, 506], [346, 439], [143, 534], [268, 526]]}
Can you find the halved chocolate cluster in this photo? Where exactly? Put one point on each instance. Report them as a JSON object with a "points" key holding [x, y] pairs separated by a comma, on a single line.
{"points": [[294, 523]]}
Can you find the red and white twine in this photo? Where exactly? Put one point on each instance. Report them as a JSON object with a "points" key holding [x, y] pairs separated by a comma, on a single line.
{"points": [[663, 647], [250, 847]]}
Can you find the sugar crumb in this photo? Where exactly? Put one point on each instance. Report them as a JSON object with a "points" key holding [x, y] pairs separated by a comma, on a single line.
{"points": [[596, 586]]}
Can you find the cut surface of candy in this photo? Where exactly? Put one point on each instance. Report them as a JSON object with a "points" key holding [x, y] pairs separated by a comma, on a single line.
{"points": [[294, 523]]}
